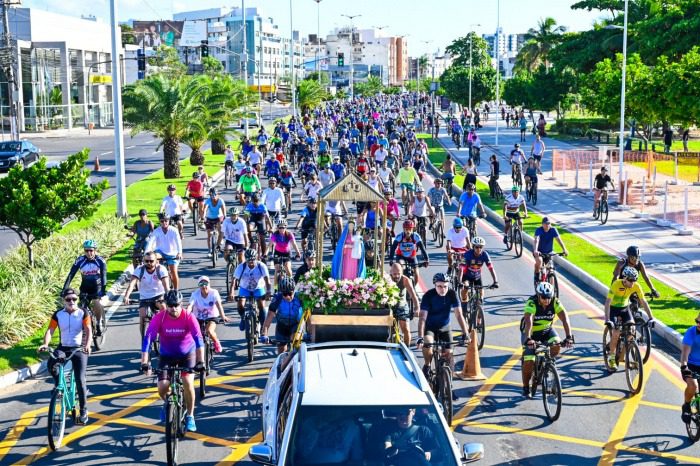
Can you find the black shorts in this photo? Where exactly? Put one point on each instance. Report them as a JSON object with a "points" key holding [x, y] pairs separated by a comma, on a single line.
{"points": [[187, 361], [228, 163], [150, 304], [287, 256], [402, 313], [212, 223], [175, 219], [236, 246], [476, 281], [621, 313], [547, 336], [259, 226], [537, 157], [512, 216], [443, 334], [305, 231], [284, 331]]}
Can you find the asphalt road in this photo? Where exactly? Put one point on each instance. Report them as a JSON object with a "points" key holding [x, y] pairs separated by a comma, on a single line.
{"points": [[599, 423]]}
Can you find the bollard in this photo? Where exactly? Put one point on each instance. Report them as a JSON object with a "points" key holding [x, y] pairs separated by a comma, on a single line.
{"points": [[590, 178], [663, 222], [563, 171], [684, 229], [576, 176]]}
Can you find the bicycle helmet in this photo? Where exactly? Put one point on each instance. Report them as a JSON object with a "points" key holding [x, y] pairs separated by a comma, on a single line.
{"points": [[287, 285], [248, 169], [212, 192], [515, 189], [440, 277], [164, 217], [630, 273], [470, 186], [173, 298], [282, 223], [409, 224], [545, 290], [311, 200], [255, 198], [310, 254], [251, 254], [234, 211], [478, 242], [90, 244], [195, 175], [438, 180], [419, 189], [633, 251], [171, 187]]}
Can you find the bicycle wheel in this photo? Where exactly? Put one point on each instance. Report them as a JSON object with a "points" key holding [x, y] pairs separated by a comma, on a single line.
{"points": [[99, 341], [518, 243], [203, 374], [250, 336], [435, 232], [172, 416], [552, 279], [603, 212], [634, 368], [551, 392], [440, 233], [643, 339], [444, 391], [534, 194], [195, 212], [528, 194], [230, 269], [56, 420], [509, 240], [421, 233], [479, 326], [214, 252], [606, 347], [693, 427]]}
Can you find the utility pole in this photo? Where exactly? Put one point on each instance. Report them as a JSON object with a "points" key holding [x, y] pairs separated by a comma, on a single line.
{"points": [[9, 62], [498, 62], [117, 112], [244, 65], [318, 37], [291, 61], [352, 58]]}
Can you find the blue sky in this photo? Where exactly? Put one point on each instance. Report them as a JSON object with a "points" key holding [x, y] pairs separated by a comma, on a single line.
{"points": [[438, 21]]}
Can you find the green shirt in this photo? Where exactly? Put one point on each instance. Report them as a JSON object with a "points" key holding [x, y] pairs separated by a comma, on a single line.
{"points": [[407, 175], [542, 317], [250, 183]]}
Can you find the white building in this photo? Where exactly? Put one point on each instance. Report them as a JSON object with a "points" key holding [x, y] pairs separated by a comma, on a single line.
{"points": [[508, 47]]}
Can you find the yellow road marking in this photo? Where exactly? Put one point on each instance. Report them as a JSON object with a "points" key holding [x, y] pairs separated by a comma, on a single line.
{"points": [[490, 328], [624, 421], [663, 370], [16, 432], [236, 388], [240, 451]]}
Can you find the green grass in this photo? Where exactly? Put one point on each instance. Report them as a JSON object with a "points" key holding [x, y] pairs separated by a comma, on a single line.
{"points": [[689, 173], [146, 193], [673, 308]]}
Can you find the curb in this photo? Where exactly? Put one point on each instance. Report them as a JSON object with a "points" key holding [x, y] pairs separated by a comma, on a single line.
{"points": [[572, 271]]}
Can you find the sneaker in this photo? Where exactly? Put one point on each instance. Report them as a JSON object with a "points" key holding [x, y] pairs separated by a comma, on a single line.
{"points": [[526, 392], [190, 425], [241, 326], [612, 364], [162, 414], [685, 414], [209, 254], [217, 346], [83, 419], [505, 240]]}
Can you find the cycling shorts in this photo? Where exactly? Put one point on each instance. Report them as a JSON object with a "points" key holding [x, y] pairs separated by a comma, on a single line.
{"points": [[256, 293], [471, 278], [439, 334], [546, 336], [212, 223], [533, 178], [284, 332], [187, 361], [306, 230], [236, 246], [621, 313], [175, 219], [512, 216], [259, 226], [286, 256], [228, 163]]}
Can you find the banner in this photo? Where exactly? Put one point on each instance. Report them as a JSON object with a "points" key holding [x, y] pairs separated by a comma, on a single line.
{"points": [[157, 33], [193, 33]]}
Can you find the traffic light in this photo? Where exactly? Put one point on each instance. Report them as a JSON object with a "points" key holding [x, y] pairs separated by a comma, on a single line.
{"points": [[205, 48], [341, 59], [141, 61]]}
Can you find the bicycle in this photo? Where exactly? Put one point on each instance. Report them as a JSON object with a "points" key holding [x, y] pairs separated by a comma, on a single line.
{"points": [[410, 269], [545, 373], [693, 425], [62, 399], [228, 176], [278, 265], [194, 214], [97, 341], [421, 224], [496, 191], [438, 231], [214, 248], [231, 264], [517, 175], [601, 213], [476, 155], [449, 183], [548, 272], [139, 248], [473, 312], [174, 411], [514, 238], [439, 376], [634, 366], [470, 223], [208, 354], [531, 192], [250, 317], [643, 326]]}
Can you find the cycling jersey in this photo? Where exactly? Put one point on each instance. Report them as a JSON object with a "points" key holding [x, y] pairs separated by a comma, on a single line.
{"points": [[362, 165], [214, 209], [439, 308], [257, 212], [234, 231], [474, 263], [251, 278], [70, 326], [250, 183], [513, 204], [272, 168], [542, 317], [150, 283], [692, 338], [288, 312], [308, 218], [308, 168], [178, 336], [407, 246], [282, 242], [262, 139], [195, 188], [517, 156], [338, 170], [619, 294], [408, 175], [287, 179], [437, 196], [93, 272], [205, 307], [546, 244]]}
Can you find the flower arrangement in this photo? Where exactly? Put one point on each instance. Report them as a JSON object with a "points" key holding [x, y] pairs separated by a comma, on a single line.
{"points": [[318, 291]]}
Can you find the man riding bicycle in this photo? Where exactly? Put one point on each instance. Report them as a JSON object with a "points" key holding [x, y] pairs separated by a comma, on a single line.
{"points": [[153, 281], [544, 244], [473, 260], [406, 245], [633, 259], [457, 240], [407, 291], [600, 183], [235, 232], [408, 178], [286, 307], [517, 159], [536, 327], [93, 270], [166, 242], [194, 191], [215, 213], [421, 208], [252, 280], [173, 207], [307, 220], [438, 197], [511, 210], [248, 184], [259, 221]]}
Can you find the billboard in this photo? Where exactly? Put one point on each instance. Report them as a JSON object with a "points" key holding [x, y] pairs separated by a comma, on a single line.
{"points": [[156, 33], [193, 33]]}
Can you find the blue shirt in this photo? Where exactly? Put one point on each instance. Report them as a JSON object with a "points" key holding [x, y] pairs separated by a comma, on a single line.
{"points": [[692, 339], [439, 308], [546, 244], [288, 312], [469, 204], [213, 210], [338, 170]]}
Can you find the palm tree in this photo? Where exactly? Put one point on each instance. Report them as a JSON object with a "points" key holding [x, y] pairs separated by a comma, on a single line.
{"points": [[235, 95], [169, 107], [539, 42], [422, 66], [309, 95]]}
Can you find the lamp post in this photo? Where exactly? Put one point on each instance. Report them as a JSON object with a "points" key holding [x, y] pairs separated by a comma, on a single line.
{"points": [[352, 58], [381, 71], [622, 101], [471, 43], [117, 112], [291, 59], [498, 60], [318, 36], [244, 64]]}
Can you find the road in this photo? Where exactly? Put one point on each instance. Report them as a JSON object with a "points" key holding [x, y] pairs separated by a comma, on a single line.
{"points": [[599, 424]]}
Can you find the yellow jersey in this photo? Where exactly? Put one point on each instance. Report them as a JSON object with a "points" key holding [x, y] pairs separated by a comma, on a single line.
{"points": [[619, 294]]}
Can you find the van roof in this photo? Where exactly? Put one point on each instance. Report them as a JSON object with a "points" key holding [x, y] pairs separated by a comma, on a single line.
{"points": [[361, 375]]}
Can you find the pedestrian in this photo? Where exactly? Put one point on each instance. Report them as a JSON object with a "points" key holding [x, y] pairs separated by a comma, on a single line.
{"points": [[685, 137], [668, 139], [523, 127]]}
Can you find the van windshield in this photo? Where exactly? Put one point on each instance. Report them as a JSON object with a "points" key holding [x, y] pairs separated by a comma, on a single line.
{"points": [[369, 435]]}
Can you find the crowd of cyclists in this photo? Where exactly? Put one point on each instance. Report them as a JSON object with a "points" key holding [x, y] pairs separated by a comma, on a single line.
{"points": [[376, 138]]}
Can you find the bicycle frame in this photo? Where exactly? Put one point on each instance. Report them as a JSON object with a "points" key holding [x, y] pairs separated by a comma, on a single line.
{"points": [[62, 401]]}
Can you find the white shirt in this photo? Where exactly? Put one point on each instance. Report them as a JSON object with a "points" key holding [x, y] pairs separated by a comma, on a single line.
{"points": [[273, 199], [150, 284], [205, 308], [234, 232], [229, 155], [312, 189], [326, 178], [172, 205], [457, 239], [167, 242], [513, 204], [251, 279], [255, 157], [385, 175], [380, 155], [70, 325]]}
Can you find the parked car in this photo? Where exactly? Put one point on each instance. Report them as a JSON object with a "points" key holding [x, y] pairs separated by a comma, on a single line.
{"points": [[17, 152], [354, 403]]}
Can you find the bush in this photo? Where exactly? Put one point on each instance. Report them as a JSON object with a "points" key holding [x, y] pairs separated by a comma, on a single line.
{"points": [[28, 295], [581, 126]]}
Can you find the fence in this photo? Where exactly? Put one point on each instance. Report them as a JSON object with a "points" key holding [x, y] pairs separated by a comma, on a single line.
{"points": [[50, 117], [680, 205]]}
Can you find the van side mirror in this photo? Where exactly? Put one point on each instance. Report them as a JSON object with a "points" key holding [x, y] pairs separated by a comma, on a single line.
{"points": [[472, 452], [261, 454]]}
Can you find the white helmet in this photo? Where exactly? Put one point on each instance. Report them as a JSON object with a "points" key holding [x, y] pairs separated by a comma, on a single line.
{"points": [[545, 289], [478, 241]]}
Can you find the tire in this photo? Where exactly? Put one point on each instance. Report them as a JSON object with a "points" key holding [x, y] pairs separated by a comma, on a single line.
{"points": [[551, 392], [693, 427], [606, 347], [528, 195], [534, 195], [195, 212], [172, 422], [250, 337], [518, 243], [230, 269], [99, 342], [155, 347], [479, 326], [509, 239], [603, 213], [444, 390], [634, 368], [644, 340], [552, 279], [203, 374], [56, 425], [440, 234]]}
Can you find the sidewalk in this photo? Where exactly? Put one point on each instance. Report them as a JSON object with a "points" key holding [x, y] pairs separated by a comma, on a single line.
{"points": [[671, 258]]}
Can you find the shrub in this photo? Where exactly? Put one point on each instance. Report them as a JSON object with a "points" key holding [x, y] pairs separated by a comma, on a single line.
{"points": [[580, 126]]}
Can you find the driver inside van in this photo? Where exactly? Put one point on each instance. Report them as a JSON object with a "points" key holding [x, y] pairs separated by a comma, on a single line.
{"points": [[409, 444]]}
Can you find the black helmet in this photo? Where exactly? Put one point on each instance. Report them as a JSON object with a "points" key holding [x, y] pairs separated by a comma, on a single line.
{"points": [[287, 285], [633, 251], [173, 298], [255, 198], [440, 277], [163, 217]]}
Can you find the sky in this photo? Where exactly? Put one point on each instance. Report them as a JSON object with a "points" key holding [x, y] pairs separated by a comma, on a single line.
{"points": [[436, 21]]}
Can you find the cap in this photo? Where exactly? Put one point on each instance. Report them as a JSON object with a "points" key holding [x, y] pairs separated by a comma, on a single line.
{"points": [[143, 212], [546, 220], [202, 280], [69, 292]]}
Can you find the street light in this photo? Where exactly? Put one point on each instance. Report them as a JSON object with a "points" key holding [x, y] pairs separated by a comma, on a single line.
{"points": [[401, 58], [471, 43], [292, 68], [498, 61], [381, 71], [318, 36], [352, 58]]}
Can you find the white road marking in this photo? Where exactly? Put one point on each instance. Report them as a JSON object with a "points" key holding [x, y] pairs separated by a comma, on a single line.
{"points": [[130, 147], [106, 153]]}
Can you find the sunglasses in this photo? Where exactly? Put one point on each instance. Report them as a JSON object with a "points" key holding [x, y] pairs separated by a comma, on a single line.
{"points": [[70, 300], [202, 284], [89, 250], [286, 295], [149, 262], [697, 321], [142, 215]]}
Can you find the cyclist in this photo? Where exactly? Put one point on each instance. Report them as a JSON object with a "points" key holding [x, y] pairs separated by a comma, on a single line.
{"points": [[307, 266], [167, 242], [536, 327], [434, 319], [386, 176], [408, 178], [239, 167], [272, 167], [229, 157], [152, 279], [215, 213], [312, 187], [517, 159], [259, 221], [537, 151], [282, 241], [336, 210], [252, 280], [306, 169], [457, 240], [324, 156], [448, 169], [326, 177], [203, 177], [287, 182], [287, 308], [511, 210], [470, 174], [438, 196], [406, 245], [617, 307], [273, 198], [194, 191], [235, 234], [531, 173], [362, 164], [248, 184], [142, 229], [495, 168], [338, 168], [600, 183], [634, 259], [392, 210], [180, 345], [474, 260], [544, 244], [93, 271], [256, 156], [421, 208], [204, 302], [469, 203], [75, 328], [381, 154], [690, 363], [307, 220], [173, 207], [406, 292]]}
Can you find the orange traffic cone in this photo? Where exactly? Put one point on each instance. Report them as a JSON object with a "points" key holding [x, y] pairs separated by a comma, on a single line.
{"points": [[97, 163], [472, 366]]}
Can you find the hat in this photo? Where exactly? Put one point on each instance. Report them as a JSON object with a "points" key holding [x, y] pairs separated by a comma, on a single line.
{"points": [[69, 292], [546, 220], [202, 280]]}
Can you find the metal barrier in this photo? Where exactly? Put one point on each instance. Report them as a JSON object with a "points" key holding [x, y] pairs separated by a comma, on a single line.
{"points": [[679, 208]]}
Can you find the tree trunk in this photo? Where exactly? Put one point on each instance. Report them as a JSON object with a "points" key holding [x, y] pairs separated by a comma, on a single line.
{"points": [[30, 254], [217, 147], [171, 158], [196, 157]]}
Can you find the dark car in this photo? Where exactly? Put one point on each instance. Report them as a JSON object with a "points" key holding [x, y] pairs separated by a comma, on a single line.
{"points": [[17, 152]]}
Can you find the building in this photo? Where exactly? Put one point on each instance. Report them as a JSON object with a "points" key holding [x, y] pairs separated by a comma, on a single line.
{"points": [[64, 68], [508, 47]]}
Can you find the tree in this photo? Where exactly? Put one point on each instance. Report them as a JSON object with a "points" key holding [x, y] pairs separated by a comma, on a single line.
{"points": [[309, 95], [613, 6], [237, 96], [372, 86], [166, 61], [459, 50], [212, 66], [313, 76], [517, 91], [422, 65], [128, 36], [539, 42], [37, 200], [455, 82], [679, 100]]}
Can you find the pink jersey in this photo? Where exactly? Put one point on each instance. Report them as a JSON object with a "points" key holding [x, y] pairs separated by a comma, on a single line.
{"points": [[178, 337]]}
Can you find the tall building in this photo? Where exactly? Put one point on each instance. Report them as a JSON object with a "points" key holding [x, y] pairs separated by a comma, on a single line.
{"points": [[508, 47]]}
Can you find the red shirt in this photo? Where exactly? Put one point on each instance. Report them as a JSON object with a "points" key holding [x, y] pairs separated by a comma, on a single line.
{"points": [[196, 188], [374, 148]]}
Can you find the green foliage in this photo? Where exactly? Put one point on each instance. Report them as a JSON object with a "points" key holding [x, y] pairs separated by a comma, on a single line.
{"points": [[36, 201], [539, 43], [455, 82], [581, 126], [542, 90], [671, 29], [371, 87], [422, 85], [391, 90], [517, 90], [313, 76], [459, 50], [166, 61], [613, 6], [680, 96], [309, 95], [212, 66]]}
